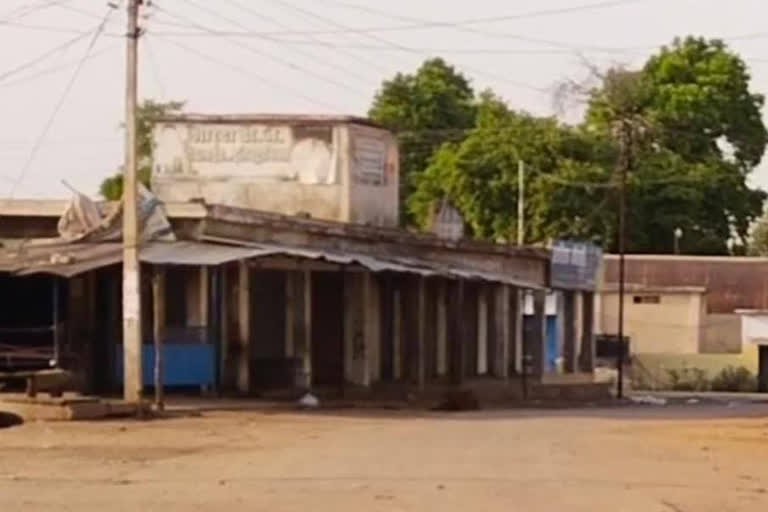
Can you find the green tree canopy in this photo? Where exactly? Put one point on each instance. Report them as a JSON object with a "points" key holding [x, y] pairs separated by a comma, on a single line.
{"points": [[149, 110], [425, 109], [697, 134]]}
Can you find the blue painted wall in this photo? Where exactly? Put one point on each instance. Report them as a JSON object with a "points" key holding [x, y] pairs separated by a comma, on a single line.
{"points": [[183, 365]]}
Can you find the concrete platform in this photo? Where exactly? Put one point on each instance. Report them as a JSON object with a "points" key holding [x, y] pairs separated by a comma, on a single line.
{"points": [[69, 407]]}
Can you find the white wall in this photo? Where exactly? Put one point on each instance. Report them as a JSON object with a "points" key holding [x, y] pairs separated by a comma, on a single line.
{"points": [[330, 171]]}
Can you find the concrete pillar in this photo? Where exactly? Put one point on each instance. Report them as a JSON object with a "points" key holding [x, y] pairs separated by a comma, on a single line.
{"points": [[458, 351], [303, 319], [359, 326], [482, 330], [587, 356], [537, 345], [372, 305], [298, 324], [244, 328], [503, 331], [570, 344], [421, 333], [224, 374], [516, 312], [397, 333], [442, 329]]}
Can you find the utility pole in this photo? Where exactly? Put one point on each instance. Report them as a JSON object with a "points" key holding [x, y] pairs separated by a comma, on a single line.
{"points": [[520, 202], [132, 346], [625, 163]]}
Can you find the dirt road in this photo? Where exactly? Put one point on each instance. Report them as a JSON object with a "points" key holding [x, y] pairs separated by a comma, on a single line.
{"points": [[628, 460]]}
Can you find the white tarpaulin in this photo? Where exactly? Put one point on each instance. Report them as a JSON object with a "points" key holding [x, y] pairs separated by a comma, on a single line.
{"points": [[85, 221]]}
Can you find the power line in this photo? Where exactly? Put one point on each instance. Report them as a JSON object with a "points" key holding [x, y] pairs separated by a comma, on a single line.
{"points": [[314, 40], [400, 47], [465, 26], [418, 24], [155, 69], [26, 10], [49, 123], [421, 24], [245, 72], [267, 55], [54, 69], [42, 57], [313, 57]]}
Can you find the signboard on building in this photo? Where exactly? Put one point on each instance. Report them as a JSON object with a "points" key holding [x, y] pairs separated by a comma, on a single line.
{"points": [[370, 158], [575, 265], [245, 151]]}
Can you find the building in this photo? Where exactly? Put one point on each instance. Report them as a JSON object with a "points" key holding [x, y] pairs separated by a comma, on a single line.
{"points": [[323, 293], [332, 168], [693, 311]]}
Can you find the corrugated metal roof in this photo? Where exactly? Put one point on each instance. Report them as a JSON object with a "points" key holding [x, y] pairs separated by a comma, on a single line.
{"points": [[196, 253], [68, 260]]}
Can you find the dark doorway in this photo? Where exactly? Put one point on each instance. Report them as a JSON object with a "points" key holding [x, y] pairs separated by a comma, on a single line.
{"points": [[269, 364], [328, 329]]}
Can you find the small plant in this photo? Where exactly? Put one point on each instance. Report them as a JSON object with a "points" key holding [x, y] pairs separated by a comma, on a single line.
{"points": [[688, 379], [734, 379]]}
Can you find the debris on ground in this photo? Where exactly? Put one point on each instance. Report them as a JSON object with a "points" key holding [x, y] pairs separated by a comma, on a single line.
{"points": [[649, 400], [309, 401]]}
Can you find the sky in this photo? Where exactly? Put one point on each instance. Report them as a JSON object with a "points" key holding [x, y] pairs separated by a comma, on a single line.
{"points": [[62, 79]]}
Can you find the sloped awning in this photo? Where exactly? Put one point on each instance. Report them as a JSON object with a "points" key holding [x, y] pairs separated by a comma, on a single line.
{"points": [[69, 260]]}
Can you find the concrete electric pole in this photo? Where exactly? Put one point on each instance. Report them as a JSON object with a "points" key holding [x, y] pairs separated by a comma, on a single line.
{"points": [[132, 353], [625, 164]]}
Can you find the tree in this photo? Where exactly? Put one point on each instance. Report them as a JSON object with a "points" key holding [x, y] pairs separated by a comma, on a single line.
{"points": [[149, 110], [758, 245], [425, 109], [688, 124], [479, 176]]}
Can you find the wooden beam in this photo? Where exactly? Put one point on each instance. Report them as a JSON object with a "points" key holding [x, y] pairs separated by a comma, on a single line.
{"points": [[158, 333], [244, 328]]}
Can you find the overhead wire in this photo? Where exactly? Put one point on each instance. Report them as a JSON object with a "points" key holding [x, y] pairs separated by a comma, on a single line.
{"points": [[375, 37], [257, 51], [54, 69], [42, 57], [245, 72], [466, 25], [420, 24], [329, 63], [26, 10], [59, 104], [314, 40]]}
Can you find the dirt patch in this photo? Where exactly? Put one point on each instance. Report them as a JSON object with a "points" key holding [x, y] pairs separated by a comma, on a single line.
{"points": [[550, 461]]}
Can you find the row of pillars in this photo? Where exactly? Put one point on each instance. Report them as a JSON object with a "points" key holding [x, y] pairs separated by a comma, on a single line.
{"points": [[514, 352]]}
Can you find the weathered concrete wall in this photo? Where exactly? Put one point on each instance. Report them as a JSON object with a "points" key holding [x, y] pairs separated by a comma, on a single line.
{"points": [[673, 325], [329, 171], [374, 178], [721, 334]]}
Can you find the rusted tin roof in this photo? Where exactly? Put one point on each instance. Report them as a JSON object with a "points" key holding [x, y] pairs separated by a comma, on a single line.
{"points": [[69, 260], [731, 282]]}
